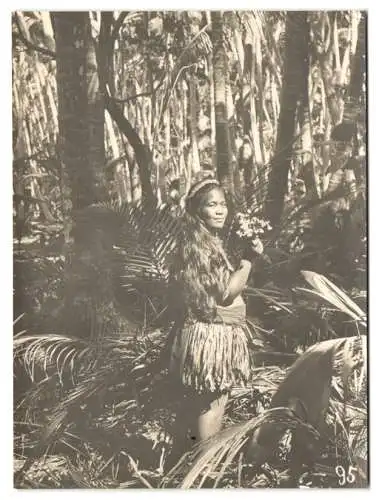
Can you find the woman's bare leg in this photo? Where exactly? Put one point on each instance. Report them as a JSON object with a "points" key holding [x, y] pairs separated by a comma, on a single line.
{"points": [[202, 424], [184, 420]]}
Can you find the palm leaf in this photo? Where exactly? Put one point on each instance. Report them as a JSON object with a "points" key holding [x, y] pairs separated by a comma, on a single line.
{"points": [[226, 445], [347, 412], [144, 246], [325, 290], [118, 366], [306, 385], [325, 359], [59, 354], [143, 238]]}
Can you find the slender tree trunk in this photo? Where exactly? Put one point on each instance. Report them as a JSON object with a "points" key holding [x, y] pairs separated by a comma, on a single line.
{"points": [[195, 157], [212, 112], [311, 177], [359, 61], [293, 88], [307, 171], [185, 141], [249, 156], [211, 101], [81, 107], [119, 170], [260, 98], [331, 73], [233, 159], [220, 70]]}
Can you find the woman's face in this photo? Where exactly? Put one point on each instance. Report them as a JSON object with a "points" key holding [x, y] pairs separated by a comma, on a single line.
{"points": [[213, 210]]}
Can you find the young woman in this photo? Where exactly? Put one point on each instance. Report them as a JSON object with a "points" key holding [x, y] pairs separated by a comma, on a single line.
{"points": [[210, 351]]}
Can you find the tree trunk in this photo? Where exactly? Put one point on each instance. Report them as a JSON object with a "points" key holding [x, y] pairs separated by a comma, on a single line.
{"points": [[89, 305], [193, 111], [331, 72], [308, 172], [293, 88], [81, 107], [220, 70], [355, 107], [358, 63], [212, 111]]}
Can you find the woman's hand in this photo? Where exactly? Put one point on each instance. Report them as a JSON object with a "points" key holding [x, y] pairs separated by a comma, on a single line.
{"points": [[252, 249], [238, 280], [257, 246]]}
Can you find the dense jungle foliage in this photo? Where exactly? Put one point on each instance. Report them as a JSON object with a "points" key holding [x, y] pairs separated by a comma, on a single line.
{"points": [[115, 114]]}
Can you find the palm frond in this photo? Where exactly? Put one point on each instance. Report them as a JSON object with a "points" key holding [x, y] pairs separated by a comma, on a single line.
{"points": [[326, 388], [141, 240], [17, 320], [146, 241], [50, 354], [325, 290], [118, 366], [306, 385], [214, 456], [347, 414]]}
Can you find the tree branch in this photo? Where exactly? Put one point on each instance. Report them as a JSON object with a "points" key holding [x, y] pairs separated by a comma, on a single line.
{"points": [[29, 44], [37, 48], [142, 152], [142, 94]]}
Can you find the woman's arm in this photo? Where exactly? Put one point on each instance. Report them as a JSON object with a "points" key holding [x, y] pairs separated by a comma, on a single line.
{"points": [[238, 280]]}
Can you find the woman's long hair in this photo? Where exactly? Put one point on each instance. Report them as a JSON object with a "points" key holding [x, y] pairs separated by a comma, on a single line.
{"points": [[200, 270]]}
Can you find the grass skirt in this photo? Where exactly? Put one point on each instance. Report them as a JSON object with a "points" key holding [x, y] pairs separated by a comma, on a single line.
{"points": [[212, 357]]}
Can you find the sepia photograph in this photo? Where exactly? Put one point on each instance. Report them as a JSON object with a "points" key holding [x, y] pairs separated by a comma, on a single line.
{"points": [[190, 249]]}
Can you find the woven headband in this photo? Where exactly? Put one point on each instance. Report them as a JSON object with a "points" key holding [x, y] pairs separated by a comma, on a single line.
{"points": [[197, 187]]}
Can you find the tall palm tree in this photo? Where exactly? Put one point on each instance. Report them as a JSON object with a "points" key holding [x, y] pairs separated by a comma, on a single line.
{"points": [[294, 82], [358, 63], [221, 85], [81, 107]]}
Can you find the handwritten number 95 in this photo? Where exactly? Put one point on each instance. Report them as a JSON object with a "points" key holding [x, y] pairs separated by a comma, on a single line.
{"points": [[344, 478]]}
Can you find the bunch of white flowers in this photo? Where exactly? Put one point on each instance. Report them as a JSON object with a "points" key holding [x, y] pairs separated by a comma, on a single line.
{"points": [[250, 227]]}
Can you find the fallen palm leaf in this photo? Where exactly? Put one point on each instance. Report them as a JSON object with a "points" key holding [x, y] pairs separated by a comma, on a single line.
{"points": [[224, 447], [306, 387]]}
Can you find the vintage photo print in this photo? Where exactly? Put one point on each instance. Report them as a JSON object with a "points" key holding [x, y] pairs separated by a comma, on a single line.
{"points": [[190, 256]]}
